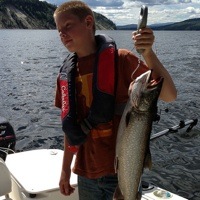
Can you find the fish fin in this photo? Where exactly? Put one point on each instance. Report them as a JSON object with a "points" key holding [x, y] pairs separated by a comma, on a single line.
{"points": [[139, 196], [116, 164], [128, 118], [148, 160], [118, 194]]}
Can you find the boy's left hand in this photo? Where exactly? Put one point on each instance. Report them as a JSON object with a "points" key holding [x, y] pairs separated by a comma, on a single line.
{"points": [[144, 39]]}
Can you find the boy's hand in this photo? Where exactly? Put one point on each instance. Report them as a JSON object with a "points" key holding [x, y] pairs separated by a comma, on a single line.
{"points": [[64, 184], [143, 40]]}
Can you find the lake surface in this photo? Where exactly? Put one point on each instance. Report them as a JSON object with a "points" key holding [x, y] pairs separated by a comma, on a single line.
{"points": [[29, 64]]}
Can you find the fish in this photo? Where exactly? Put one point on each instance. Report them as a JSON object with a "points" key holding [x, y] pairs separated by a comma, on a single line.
{"points": [[133, 136]]}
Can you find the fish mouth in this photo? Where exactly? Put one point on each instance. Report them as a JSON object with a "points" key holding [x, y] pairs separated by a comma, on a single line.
{"points": [[153, 83]]}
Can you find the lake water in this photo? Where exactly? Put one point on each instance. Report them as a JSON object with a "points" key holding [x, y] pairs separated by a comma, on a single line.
{"points": [[29, 64]]}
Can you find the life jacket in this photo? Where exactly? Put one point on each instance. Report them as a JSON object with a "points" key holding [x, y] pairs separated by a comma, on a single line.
{"points": [[102, 106]]}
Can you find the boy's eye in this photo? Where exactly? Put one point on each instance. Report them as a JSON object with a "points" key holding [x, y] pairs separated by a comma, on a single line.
{"points": [[65, 28], [67, 25]]}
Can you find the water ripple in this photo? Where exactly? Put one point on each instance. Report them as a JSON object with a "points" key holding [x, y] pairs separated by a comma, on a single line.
{"points": [[29, 66]]}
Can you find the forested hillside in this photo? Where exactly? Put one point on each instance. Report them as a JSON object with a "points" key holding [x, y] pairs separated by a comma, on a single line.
{"points": [[35, 14]]}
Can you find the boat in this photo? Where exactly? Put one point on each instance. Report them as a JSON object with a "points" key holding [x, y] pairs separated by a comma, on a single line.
{"points": [[34, 175]]}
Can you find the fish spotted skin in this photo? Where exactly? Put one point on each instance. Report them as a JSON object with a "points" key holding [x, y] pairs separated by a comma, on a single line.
{"points": [[132, 146]]}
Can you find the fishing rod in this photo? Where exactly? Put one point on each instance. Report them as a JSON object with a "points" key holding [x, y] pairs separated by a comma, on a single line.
{"points": [[142, 22], [173, 129]]}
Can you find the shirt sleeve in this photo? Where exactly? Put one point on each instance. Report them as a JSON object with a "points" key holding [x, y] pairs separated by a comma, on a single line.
{"points": [[131, 65]]}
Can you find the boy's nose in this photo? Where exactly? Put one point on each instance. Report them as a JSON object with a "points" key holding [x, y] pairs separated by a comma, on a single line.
{"points": [[62, 35]]}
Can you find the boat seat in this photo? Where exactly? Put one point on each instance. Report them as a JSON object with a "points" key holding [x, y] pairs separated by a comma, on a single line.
{"points": [[6, 198], [5, 180]]}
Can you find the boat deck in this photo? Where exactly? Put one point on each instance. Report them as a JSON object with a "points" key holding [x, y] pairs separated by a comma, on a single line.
{"points": [[35, 175]]}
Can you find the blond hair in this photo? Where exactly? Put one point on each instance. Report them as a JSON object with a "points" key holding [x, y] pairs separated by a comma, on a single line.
{"points": [[78, 8]]}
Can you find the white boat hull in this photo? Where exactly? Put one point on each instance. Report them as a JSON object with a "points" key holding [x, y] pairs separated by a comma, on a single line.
{"points": [[35, 175]]}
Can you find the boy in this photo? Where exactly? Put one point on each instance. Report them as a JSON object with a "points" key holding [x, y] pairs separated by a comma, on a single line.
{"points": [[92, 88]]}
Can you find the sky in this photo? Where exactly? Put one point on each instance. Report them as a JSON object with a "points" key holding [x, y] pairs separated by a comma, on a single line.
{"points": [[123, 12]]}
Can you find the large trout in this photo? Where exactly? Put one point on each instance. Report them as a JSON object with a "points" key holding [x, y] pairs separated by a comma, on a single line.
{"points": [[132, 147]]}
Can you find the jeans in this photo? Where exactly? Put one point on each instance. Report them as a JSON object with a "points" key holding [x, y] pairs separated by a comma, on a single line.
{"points": [[97, 189]]}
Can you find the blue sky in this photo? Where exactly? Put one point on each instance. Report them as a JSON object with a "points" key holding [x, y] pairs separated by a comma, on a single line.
{"points": [[123, 12]]}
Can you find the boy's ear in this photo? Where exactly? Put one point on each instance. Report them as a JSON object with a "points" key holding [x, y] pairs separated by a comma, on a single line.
{"points": [[89, 20]]}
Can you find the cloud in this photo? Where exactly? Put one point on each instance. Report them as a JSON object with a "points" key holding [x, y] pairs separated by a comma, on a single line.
{"points": [[104, 3], [192, 12], [123, 12], [161, 2], [94, 3]]}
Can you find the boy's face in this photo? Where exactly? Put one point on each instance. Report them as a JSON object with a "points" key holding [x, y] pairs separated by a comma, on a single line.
{"points": [[73, 32]]}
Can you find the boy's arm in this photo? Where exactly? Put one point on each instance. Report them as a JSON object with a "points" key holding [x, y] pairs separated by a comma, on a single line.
{"points": [[64, 184], [144, 40], [168, 92]]}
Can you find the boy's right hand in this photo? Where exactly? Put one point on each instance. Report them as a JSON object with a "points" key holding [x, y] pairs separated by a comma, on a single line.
{"points": [[64, 184]]}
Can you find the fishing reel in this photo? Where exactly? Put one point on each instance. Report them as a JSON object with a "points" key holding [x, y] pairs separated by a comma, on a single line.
{"points": [[157, 115]]}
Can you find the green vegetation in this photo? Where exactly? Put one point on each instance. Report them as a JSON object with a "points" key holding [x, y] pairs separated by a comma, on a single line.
{"points": [[103, 23], [190, 24], [38, 13], [35, 14]]}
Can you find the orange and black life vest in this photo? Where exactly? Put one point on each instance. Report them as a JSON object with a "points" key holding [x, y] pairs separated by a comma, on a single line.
{"points": [[103, 103]]}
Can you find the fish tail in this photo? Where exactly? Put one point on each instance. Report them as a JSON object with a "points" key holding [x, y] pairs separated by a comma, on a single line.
{"points": [[116, 164], [139, 196], [118, 194], [148, 160]]}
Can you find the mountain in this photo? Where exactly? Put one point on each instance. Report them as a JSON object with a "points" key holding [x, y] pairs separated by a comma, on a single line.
{"points": [[190, 24], [127, 27], [35, 14], [161, 24], [26, 14], [134, 26], [103, 23]]}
